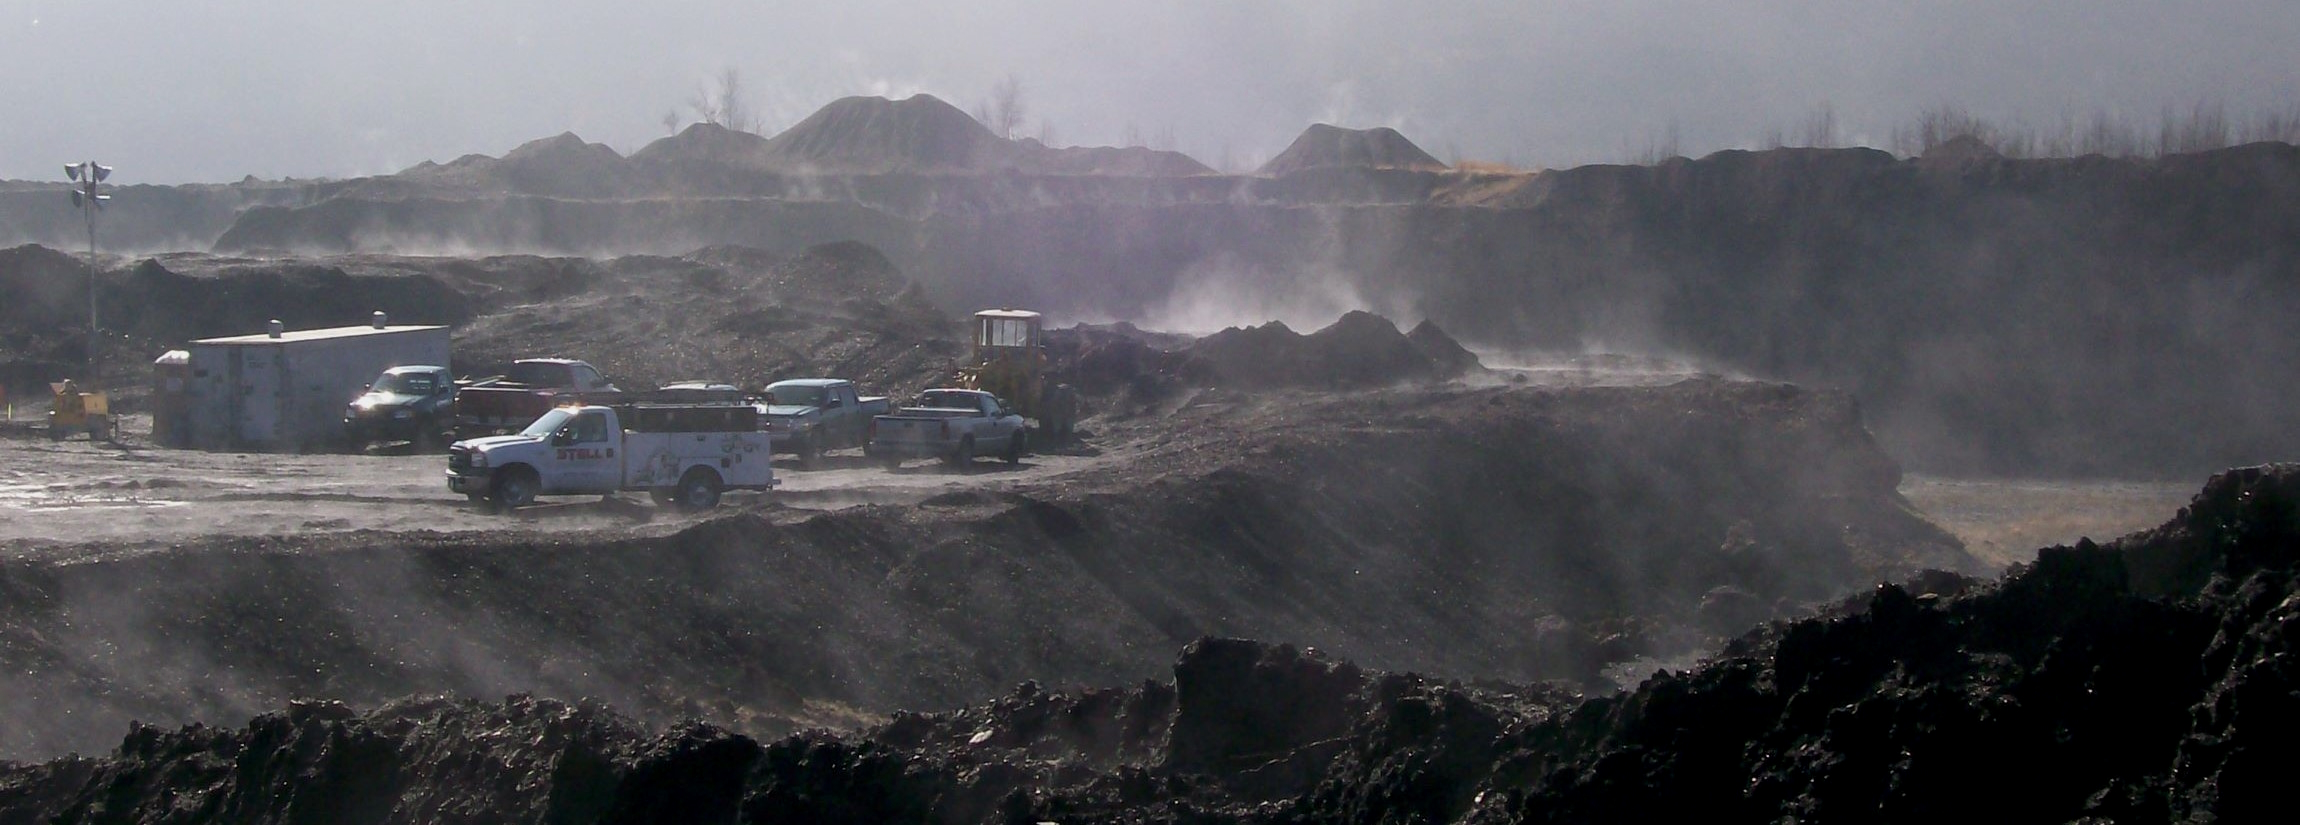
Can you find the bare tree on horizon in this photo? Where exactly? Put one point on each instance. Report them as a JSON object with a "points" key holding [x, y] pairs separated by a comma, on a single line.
{"points": [[720, 102], [1004, 111]]}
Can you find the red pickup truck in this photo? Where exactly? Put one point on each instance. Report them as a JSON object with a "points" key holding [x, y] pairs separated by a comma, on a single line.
{"points": [[524, 392]]}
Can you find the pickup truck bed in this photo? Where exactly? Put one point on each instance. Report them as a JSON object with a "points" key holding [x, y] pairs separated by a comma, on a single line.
{"points": [[953, 425], [530, 388]]}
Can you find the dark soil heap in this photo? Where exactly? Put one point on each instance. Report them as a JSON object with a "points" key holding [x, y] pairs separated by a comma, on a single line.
{"points": [[1358, 351], [1324, 146], [2147, 681], [723, 313]]}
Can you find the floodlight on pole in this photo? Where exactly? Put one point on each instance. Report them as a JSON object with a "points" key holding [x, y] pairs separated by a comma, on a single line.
{"points": [[89, 198]]}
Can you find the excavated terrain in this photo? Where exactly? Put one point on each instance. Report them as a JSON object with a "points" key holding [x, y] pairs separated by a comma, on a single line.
{"points": [[1508, 533], [2149, 680], [1405, 584]]}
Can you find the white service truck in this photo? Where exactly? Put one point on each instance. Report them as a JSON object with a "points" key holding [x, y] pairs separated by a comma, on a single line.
{"points": [[682, 455]]}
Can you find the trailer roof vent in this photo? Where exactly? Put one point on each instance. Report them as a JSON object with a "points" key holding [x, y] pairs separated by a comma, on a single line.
{"points": [[275, 328], [379, 320]]}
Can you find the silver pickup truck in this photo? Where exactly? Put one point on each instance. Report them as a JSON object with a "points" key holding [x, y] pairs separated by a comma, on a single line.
{"points": [[953, 425]]}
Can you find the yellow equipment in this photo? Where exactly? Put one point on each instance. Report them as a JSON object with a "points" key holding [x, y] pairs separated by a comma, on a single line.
{"points": [[1010, 362], [80, 412]]}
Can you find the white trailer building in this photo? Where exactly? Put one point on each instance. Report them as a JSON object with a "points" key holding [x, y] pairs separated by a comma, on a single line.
{"points": [[284, 390]]}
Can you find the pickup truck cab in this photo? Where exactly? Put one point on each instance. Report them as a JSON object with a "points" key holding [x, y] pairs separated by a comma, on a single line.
{"points": [[414, 404], [951, 424], [681, 455], [806, 416], [528, 389]]}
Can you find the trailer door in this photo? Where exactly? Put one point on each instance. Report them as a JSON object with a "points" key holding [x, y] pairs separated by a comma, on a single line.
{"points": [[257, 370]]}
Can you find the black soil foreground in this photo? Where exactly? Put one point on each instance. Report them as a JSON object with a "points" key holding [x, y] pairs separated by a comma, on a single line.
{"points": [[2145, 681]]}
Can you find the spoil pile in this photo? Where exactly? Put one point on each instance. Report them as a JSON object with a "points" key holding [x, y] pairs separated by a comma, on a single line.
{"points": [[1325, 146], [1360, 350], [731, 314], [2146, 681], [723, 313]]}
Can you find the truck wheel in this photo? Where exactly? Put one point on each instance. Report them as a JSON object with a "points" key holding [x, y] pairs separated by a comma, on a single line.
{"points": [[892, 462], [963, 457], [810, 452], [515, 487], [1016, 444], [698, 490]]}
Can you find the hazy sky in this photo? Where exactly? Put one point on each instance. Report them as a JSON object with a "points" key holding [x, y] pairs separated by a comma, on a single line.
{"points": [[214, 90]]}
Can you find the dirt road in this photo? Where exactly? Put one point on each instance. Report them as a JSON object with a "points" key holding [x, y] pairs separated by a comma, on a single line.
{"points": [[73, 491]]}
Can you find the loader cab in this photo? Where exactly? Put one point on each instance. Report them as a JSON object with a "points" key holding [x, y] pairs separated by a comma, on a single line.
{"points": [[1004, 333]]}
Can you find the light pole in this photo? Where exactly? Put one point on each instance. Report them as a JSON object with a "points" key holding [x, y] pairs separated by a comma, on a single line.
{"points": [[89, 199]]}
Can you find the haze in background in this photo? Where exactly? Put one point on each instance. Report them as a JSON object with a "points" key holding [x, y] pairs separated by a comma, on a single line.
{"points": [[191, 92]]}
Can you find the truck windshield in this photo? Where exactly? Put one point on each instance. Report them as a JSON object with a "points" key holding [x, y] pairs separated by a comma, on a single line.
{"points": [[549, 423], [407, 383], [800, 396]]}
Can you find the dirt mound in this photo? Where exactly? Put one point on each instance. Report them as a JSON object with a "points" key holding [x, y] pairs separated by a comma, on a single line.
{"points": [[159, 303], [707, 144], [732, 314], [43, 324], [1358, 350], [873, 134], [1129, 161], [2153, 676], [1324, 146]]}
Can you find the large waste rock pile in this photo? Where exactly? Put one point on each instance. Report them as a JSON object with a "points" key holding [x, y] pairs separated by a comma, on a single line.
{"points": [[1324, 146], [1939, 289], [2146, 681], [1357, 351], [721, 313], [732, 314]]}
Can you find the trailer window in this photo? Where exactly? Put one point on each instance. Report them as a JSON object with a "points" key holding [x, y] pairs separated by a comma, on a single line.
{"points": [[1005, 332]]}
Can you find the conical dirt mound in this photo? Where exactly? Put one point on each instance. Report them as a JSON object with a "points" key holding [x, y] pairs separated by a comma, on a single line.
{"points": [[873, 134], [1322, 146]]}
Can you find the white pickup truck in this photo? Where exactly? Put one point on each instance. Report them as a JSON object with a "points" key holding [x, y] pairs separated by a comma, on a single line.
{"points": [[682, 455], [953, 425]]}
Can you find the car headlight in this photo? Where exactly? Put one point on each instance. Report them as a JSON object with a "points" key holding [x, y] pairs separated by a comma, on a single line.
{"points": [[478, 459]]}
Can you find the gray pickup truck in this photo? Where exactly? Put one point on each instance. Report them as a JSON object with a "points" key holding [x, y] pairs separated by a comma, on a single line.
{"points": [[950, 424], [805, 416]]}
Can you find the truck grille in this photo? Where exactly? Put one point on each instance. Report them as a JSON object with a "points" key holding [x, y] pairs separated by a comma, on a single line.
{"points": [[459, 458]]}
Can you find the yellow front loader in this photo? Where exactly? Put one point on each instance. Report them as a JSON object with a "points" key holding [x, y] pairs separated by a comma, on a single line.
{"points": [[1010, 362], [77, 412]]}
